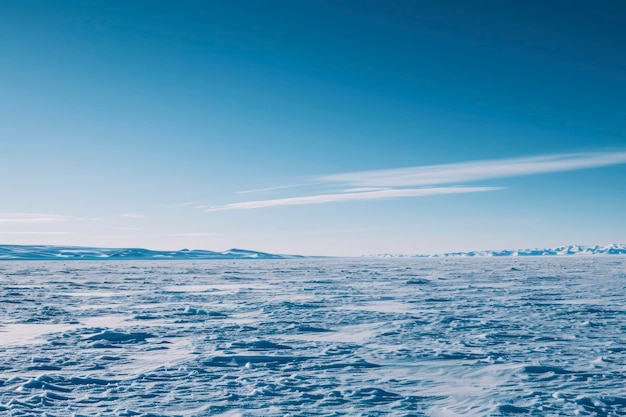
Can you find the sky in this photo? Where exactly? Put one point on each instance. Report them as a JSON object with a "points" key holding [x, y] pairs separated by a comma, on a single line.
{"points": [[313, 127]]}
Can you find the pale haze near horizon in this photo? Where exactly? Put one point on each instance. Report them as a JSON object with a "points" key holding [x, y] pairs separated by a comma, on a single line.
{"points": [[317, 128]]}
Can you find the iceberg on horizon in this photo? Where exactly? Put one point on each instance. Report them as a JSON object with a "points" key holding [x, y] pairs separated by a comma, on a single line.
{"points": [[49, 252], [566, 250]]}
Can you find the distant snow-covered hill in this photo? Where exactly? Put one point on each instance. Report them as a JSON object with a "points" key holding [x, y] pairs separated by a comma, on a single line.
{"points": [[44, 252], [614, 249]]}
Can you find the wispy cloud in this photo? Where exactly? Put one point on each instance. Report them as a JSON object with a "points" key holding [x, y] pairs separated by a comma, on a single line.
{"points": [[191, 234], [33, 218], [36, 233], [465, 172], [331, 198], [363, 189], [427, 180], [133, 215], [261, 190], [184, 204]]}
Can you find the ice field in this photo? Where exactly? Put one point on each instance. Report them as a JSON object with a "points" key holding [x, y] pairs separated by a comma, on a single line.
{"points": [[314, 337]]}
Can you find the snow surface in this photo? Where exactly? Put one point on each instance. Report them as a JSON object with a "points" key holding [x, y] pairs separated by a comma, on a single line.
{"points": [[314, 337]]}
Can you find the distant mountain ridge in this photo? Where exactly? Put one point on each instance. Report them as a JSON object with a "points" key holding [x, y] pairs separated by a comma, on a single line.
{"points": [[46, 252], [568, 250]]}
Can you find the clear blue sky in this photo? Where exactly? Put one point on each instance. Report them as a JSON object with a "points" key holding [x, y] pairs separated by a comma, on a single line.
{"points": [[313, 127]]}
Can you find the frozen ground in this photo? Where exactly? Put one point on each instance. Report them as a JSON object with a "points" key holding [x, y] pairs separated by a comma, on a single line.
{"points": [[402, 337]]}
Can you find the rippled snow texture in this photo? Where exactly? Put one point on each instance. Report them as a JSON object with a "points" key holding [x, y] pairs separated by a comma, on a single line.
{"points": [[420, 337]]}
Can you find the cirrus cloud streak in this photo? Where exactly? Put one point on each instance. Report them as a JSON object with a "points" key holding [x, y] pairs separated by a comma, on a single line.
{"points": [[428, 180], [331, 198], [465, 172]]}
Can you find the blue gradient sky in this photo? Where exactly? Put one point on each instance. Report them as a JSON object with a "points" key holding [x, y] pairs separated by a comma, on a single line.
{"points": [[313, 127]]}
